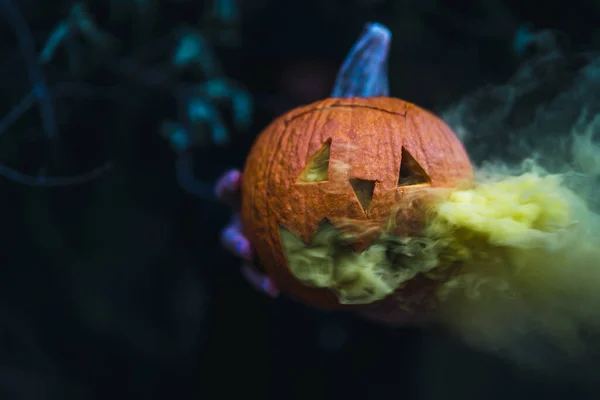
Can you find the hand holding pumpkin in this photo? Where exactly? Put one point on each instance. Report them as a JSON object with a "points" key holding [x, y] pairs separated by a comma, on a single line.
{"points": [[363, 74]]}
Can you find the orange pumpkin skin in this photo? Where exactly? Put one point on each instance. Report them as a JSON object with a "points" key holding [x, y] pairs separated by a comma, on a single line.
{"points": [[367, 135]]}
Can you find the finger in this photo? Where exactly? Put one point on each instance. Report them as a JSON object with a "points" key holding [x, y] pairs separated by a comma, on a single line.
{"points": [[234, 240], [227, 188], [259, 281]]}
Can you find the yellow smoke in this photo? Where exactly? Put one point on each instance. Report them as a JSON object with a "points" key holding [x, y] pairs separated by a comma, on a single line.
{"points": [[528, 234], [528, 256]]}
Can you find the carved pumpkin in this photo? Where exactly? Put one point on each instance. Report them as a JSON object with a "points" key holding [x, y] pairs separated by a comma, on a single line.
{"points": [[346, 164]]}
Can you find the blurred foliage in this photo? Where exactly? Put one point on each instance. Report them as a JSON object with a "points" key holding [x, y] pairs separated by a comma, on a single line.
{"points": [[174, 64]]}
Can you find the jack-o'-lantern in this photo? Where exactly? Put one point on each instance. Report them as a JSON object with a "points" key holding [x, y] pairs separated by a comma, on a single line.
{"points": [[327, 187]]}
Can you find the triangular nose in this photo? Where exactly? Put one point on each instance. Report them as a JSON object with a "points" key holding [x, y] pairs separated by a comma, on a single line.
{"points": [[363, 189]]}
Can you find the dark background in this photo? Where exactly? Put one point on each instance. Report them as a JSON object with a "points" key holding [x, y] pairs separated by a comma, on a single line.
{"points": [[118, 287]]}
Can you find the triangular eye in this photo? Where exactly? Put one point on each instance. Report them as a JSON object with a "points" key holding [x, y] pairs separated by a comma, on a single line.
{"points": [[317, 167], [411, 172], [364, 191]]}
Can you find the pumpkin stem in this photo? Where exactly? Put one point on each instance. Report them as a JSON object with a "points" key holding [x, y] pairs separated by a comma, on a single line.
{"points": [[364, 71]]}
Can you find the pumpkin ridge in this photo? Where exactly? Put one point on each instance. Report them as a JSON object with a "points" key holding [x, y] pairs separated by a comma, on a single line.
{"points": [[332, 106]]}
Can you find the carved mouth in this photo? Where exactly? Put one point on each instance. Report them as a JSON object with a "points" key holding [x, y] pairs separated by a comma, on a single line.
{"points": [[330, 262]]}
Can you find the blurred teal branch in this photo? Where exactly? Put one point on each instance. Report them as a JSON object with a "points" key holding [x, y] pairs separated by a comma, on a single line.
{"points": [[193, 78], [78, 24], [41, 94], [36, 76]]}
